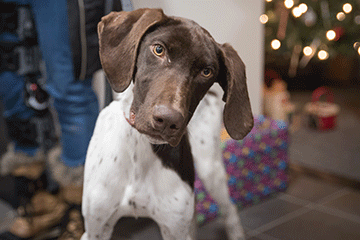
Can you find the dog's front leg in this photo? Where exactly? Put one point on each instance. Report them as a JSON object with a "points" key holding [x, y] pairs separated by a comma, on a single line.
{"points": [[172, 207], [187, 233], [205, 130], [213, 175], [100, 216], [193, 228], [105, 176]]}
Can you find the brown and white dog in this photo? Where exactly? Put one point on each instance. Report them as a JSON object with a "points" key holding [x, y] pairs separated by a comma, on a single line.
{"points": [[141, 158]]}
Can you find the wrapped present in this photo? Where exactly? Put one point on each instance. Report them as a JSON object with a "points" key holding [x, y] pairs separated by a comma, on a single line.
{"points": [[256, 167]]}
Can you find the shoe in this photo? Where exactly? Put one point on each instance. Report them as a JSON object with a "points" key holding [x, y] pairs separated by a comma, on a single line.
{"points": [[39, 213], [21, 164], [52, 234], [10, 236], [38, 217], [72, 226], [70, 180], [25, 175], [61, 173]]}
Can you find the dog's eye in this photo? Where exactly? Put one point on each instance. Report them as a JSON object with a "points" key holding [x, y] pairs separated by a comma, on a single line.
{"points": [[206, 72], [159, 50]]}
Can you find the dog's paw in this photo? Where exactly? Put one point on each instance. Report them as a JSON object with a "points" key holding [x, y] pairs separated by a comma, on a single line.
{"points": [[233, 226]]}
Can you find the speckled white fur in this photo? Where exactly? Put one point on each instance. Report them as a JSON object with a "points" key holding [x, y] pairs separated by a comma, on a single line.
{"points": [[123, 177]]}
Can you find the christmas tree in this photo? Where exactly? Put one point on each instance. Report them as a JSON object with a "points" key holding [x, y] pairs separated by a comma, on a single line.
{"points": [[300, 31]]}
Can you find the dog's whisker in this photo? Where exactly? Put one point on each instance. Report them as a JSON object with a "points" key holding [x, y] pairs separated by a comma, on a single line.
{"points": [[158, 147]]}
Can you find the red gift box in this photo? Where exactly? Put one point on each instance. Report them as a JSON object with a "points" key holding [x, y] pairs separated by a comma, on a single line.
{"points": [[322, 115]]}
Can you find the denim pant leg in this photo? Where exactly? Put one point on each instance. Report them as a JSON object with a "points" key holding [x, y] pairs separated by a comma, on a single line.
{"points": [[12, 96], [77, 115], [74, 100]]}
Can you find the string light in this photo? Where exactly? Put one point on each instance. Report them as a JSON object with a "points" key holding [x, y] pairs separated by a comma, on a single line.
{"points": [[289, 3], [303, 7], [323, 55], [340, 16], [297, 12], [275, 44], [357, 19], [347, 7], [331, 35], [264, 18], [269, 0], [356, 45], [307, 51]]}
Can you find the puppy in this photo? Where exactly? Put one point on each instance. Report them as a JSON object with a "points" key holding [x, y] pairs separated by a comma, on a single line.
{"points": [[141, 157]]}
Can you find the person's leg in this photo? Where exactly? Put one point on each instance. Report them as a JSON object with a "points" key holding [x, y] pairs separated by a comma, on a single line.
{"points": [[24, 160], [18, 116], [77, 116], [12, 96], [74, 101], [77, 109], [24, 157]]}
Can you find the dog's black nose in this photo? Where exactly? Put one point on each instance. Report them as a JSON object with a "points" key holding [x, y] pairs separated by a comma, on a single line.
{"points": [[167, 119]]}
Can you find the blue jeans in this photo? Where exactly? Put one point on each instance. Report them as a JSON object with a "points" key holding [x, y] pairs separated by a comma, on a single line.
{"points": [[74, 99]]}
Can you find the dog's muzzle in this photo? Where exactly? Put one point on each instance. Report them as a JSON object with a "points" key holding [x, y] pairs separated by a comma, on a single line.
{"points": [[165, 123]]}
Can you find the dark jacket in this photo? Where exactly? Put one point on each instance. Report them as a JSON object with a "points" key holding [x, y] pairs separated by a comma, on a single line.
{"points": [[83, 20]]}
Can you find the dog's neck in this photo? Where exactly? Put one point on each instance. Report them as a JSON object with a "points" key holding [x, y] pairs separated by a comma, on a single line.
{"points": [[178, 158]]}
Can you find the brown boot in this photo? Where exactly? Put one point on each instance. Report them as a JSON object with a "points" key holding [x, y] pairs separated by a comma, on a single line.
{"points": [[72, 226], [39, 210], [21, 164], [71, 186], [64, 175], [44, 211], [38, 214]]}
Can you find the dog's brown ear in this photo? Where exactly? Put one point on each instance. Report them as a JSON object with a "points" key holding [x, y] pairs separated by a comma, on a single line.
{"points": [[238, 118], [119, 36]]}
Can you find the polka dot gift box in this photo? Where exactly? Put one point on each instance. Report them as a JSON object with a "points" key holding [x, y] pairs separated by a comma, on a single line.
{"points": [[256, 167]]}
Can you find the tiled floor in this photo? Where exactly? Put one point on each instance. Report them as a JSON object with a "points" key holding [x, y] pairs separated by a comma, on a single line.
{"points": [[336, 151], [310, 209]]}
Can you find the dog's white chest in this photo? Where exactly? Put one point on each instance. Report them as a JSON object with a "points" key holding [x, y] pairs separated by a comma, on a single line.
{"points": [[156, 193], [122, 170]]}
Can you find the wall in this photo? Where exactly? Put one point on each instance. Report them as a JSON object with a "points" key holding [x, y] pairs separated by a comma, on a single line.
{"points": [[232, 21]]}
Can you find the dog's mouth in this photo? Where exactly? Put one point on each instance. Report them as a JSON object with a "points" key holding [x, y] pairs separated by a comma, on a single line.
{"points": [[153, 136], [155, 139]]}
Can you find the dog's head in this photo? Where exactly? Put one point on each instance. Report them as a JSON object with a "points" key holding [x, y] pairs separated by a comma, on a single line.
{"points": [[173, 62]]}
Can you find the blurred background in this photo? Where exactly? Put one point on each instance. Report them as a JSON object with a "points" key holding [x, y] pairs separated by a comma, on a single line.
{"points": [[302, 63]]}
